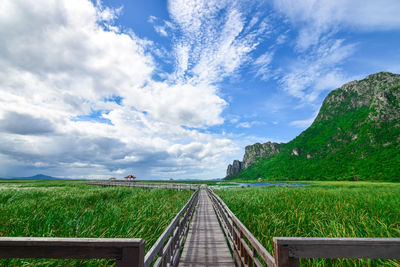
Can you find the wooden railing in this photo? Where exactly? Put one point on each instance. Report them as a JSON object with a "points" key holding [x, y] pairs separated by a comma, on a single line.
{"points": [[166, 250], [145, 185], [288, 250], [248, 251], [126, 251]]}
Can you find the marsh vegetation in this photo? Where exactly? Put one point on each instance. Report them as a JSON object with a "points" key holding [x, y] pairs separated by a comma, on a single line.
{"points": [[323, 209], [74, 209]]}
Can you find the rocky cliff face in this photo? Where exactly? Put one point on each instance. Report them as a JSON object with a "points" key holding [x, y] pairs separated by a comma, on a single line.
{"points": [[380, 92], [234, 168], [356, 136], [251, 155], [254, 152]]}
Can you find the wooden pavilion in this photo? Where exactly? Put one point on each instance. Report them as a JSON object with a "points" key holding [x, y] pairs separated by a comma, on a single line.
{"points": [[130, 177]]}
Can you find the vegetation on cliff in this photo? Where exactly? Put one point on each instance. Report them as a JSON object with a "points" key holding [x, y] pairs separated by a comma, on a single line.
{"points": [[356, 136]]}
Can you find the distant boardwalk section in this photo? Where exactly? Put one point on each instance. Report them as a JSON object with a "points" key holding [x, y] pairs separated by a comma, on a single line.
{"points": [[205, 244], [145, 185]]}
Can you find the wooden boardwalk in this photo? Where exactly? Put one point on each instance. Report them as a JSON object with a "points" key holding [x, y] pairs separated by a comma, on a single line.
{"points": [[205, 244]]}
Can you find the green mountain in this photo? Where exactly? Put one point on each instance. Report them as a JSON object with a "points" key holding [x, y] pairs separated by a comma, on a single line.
{"points": [[35, 177], [356, 136]]}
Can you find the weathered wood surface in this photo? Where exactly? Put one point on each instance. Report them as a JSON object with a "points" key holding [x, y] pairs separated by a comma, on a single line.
{"points": [[283, 258], [126, 251], [145, 185], [247, 250], [371, 248], [167, 247], [205, 244]]}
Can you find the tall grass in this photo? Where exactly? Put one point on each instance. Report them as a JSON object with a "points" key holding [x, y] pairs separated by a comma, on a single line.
{"points": [[320, 210], [74, 209]]}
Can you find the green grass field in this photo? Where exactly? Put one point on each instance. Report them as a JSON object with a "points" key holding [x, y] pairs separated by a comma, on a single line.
{"points": [[323, 209], [74, 209]]}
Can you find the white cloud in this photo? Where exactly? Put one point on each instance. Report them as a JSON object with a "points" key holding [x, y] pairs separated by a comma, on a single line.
{"points": [[235, 119], [320, 53], [249, 124], [318, 70], [244, 125], [262, 65], [59, 60], [152, 19], [160, 27], [215, 38], [161, 30], [106, 14], [318, 17], [303, 124], [281, 39]]}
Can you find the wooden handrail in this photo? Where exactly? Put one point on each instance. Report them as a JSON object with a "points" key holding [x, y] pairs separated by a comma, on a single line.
{"points": [[290, 249], [145, 185], [126, 251], [166, 252], [246, 248]]}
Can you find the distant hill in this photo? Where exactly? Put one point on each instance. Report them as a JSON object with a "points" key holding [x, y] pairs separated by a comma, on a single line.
{"points": [[356, 136], [36, 177]]}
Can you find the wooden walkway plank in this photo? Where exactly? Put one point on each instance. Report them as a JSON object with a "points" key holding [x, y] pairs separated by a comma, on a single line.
{"points": [[205, 244]]}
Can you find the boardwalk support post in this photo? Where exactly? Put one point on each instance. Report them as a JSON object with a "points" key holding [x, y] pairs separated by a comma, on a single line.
{"points": [[132, 257], [282, 257]]}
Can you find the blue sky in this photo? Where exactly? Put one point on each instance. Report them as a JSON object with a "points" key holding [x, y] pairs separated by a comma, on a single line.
{"points": [[174, 88]]}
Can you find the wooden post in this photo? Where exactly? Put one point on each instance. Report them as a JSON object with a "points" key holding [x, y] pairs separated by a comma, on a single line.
{"points": [[167, 258], [132, 257], [160, 254], [241, 245], [254, 256], [282, 257], [174, 242]]}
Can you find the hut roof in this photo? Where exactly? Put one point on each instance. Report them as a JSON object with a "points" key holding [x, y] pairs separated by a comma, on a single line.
{"points": [[130, 176]]}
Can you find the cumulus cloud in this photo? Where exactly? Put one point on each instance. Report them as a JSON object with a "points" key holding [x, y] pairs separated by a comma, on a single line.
{"points": [[62, 61], [78, 93], [24, 124]]}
